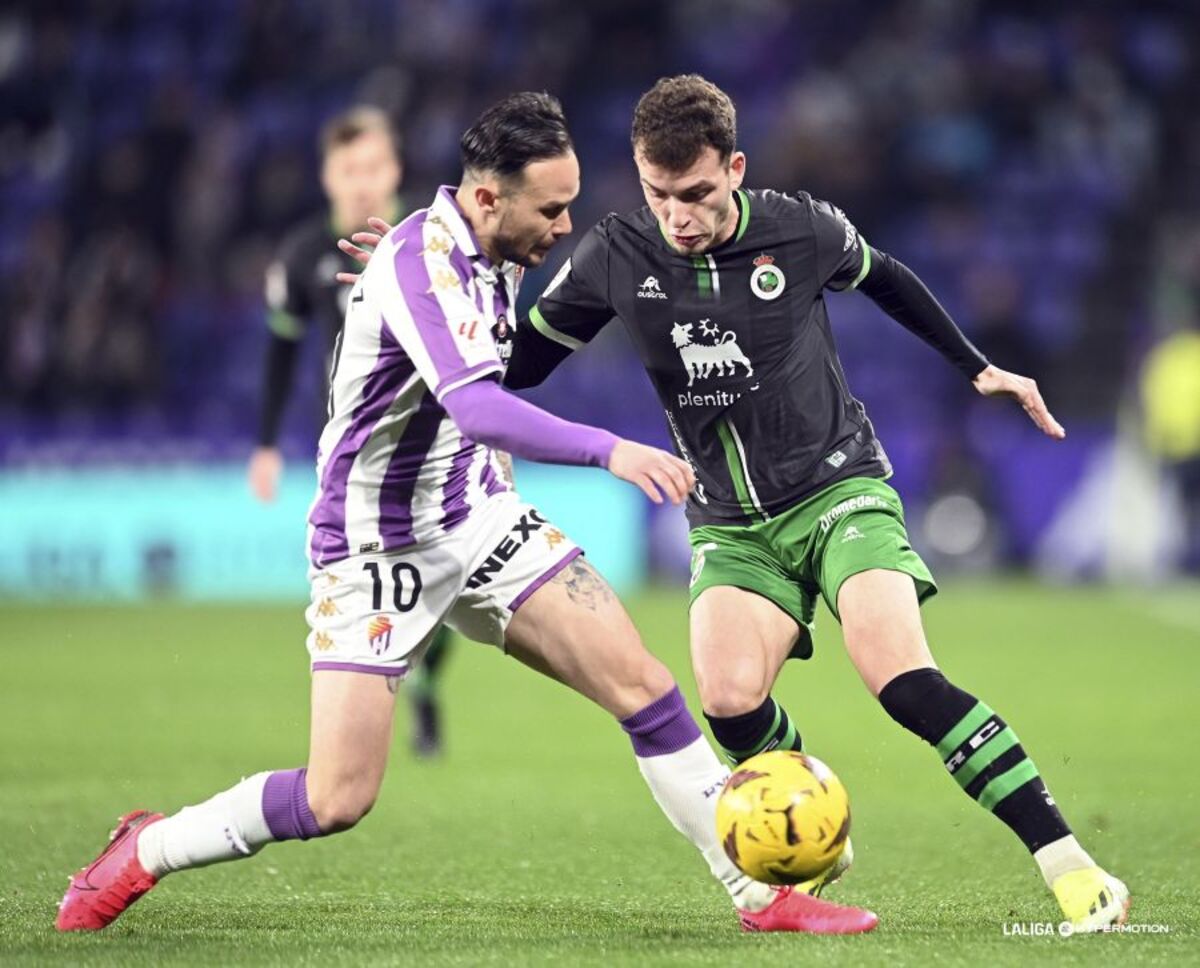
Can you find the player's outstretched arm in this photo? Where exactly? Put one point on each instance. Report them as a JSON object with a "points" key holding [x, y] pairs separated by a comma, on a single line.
{"points": [[486, 413], [898, 292], [994, 381], [360, 246]]}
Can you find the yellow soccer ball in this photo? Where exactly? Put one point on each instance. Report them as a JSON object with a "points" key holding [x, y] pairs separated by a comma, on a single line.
{"points": [[783, 817]]}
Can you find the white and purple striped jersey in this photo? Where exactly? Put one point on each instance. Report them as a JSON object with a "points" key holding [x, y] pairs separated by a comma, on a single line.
{"points": [[393, 469]]}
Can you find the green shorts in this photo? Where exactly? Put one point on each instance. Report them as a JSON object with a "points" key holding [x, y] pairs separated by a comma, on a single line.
{"points": [[810, 549]]}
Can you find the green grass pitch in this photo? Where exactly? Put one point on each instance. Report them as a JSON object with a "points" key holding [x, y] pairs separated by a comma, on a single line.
{"points": [[534, 841]]}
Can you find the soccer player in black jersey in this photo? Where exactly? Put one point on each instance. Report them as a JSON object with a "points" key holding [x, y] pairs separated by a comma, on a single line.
{"points": [[722, 291], [361, 171]]}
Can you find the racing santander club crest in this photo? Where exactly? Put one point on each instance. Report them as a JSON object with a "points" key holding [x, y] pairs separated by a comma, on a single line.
{"points": [[766, 281]]}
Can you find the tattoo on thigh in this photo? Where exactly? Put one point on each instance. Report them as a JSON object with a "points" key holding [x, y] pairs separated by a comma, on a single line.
{"points": [[584, 586], [393, 684]]}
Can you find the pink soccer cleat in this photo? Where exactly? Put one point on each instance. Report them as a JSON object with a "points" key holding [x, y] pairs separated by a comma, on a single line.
{"points": [[109, 884], [794, 910]]}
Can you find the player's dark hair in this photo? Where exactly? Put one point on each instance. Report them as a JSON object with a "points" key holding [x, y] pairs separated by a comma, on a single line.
{"points": [[353, 124], [681, 116], [513, 132]]}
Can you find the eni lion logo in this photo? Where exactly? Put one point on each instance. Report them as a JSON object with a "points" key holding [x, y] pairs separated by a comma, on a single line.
{"points": [[701, 359]]}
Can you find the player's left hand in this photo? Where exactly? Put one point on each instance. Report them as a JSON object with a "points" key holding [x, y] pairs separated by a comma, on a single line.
{"points": [[994, 381], [366, 243]]}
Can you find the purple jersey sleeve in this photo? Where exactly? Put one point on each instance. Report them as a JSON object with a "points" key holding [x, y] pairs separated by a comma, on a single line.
{"points": [[431, 304], [490, 416]]}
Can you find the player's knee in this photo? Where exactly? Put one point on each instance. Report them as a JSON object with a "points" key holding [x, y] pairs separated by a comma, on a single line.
{"points": [[731, 694], [340, 808]]}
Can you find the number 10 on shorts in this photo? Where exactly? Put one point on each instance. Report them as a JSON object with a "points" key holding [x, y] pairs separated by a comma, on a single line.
{"points": [[406, 585]]}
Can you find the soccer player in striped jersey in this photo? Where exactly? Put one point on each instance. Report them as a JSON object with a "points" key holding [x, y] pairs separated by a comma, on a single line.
{"points": [[413, 524]]}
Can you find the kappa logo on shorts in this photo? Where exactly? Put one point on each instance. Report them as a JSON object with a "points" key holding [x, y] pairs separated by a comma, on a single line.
{"points": [[323, 641], [554, 537], [379, 634], [851, 534], [327, 609], [513, 542]]}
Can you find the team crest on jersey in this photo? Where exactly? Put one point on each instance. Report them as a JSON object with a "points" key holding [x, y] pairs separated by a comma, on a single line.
{"points": [[722, 354], [767, 279], [379, 634]]}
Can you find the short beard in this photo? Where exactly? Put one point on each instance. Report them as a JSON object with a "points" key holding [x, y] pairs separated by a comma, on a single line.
{"points": [[508, 252]]}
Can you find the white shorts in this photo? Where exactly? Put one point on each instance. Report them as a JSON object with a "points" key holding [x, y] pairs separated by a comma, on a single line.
{"points": [[378, 613]]}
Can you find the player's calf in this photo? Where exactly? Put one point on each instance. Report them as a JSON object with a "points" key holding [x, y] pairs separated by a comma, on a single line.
{"points": [[983, 755]]}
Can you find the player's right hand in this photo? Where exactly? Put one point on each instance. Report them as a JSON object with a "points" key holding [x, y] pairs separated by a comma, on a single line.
{"points": [[652, 470], [366, 243], [993, 381], [266, 464]]}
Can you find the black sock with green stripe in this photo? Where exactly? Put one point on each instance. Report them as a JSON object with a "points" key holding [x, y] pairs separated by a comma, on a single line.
{"points": [[980, 751], [765, 728]]}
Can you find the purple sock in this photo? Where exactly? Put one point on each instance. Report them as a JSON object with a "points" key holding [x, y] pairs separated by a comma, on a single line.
{"points": [[665, 726], [285, 806]]}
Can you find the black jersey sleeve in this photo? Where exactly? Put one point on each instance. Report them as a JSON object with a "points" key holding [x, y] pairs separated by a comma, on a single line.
{"points": [[895, 289], [277, 386], [289, 302], [842, 255], [288, 308], [572, 310]]}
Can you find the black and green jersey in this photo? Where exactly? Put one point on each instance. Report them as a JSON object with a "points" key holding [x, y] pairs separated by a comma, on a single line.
{"points": [[737, 342]]}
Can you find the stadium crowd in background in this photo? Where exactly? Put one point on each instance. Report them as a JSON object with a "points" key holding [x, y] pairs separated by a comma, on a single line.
{"points": [[150, 160]]}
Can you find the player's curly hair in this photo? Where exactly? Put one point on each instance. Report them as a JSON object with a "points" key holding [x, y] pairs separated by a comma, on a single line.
{"points": [[679, 117], [519, 129]]}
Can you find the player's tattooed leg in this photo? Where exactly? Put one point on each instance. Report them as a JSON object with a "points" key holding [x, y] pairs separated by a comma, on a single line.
{"points": [[584, 585]]}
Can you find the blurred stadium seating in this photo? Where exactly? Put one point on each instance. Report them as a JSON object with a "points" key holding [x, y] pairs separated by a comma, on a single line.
{"points": [[1034, 166]]}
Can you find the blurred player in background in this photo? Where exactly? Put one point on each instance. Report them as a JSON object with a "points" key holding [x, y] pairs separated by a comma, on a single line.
{"points": [[361, 171], [1170, 388], [414, 524]]}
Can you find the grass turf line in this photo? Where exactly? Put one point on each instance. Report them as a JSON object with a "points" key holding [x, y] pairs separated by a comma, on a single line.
{"points": [[534, 841]]}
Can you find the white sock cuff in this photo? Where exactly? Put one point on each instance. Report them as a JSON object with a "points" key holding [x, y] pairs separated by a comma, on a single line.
{"points": [[1061, 857]]}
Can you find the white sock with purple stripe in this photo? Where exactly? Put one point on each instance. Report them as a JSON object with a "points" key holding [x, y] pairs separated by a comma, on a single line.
{"points": [[235, 823], [686, 777]]}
